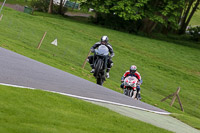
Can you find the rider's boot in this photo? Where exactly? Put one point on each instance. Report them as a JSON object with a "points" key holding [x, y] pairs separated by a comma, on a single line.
{"points": [[107, 73], [92, 71], [139, 96], [92, 66]]}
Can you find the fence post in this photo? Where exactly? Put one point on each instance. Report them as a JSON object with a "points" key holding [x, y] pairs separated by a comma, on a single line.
{"points": [[83, 66], [40, 43], [174, 98], [179, 100], [167, 97]]}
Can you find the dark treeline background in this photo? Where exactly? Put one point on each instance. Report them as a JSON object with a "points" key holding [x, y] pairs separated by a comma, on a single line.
{"points": [[133, 16]]}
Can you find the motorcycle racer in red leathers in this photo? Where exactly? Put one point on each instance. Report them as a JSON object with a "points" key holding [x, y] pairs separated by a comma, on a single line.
{"points": [[133, 72]]}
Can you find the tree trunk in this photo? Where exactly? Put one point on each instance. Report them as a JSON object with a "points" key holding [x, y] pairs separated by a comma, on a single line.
{"points": [[50, 6], [144, 22], [186, 21], [153, 27], [185, 14], [61, 7], [165, 30], [147, 26], [74, 5], [192, 13], [183, 11], [180, 17]]}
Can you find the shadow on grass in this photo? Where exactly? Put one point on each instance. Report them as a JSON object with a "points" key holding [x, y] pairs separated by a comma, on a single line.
{"points": [[184, 40]]}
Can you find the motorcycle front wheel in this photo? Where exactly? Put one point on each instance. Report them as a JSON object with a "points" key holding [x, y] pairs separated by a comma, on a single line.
{"points": [[98, 67], [100, 81], [128, 92]]}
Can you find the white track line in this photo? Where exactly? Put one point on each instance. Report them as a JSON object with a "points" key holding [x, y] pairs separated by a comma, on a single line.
{"points": [[91, 99]]}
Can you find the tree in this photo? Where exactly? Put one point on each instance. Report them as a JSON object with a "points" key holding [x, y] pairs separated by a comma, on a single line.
{"points": [[61, 6], [190, 7], [50, 6], [164, 13], [152, 13]]}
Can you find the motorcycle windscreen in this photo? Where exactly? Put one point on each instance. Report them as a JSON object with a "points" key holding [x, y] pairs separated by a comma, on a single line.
{"points": [[102, 50], [130, 81]]}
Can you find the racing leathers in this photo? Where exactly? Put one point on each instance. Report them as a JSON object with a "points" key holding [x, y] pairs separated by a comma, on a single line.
{"points": [[137, 75]]}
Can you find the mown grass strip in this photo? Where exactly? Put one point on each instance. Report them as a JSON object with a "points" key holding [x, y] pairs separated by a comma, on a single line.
{"points": [[23, 110]]}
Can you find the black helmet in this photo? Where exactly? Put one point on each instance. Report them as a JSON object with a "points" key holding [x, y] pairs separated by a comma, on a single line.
{"points": [[104, 40], [133, 69]]}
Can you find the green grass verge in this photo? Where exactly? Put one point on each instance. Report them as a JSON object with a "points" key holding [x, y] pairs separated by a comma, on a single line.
{"points": [[164, 65], [23, 110]]}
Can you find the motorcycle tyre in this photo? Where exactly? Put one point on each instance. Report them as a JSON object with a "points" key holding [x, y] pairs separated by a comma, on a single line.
{"points": [[100, 81], [98, 67], [128, 92]]}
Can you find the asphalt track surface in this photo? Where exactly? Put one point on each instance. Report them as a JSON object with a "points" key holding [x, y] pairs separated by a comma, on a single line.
{"points": [[21, 71]]}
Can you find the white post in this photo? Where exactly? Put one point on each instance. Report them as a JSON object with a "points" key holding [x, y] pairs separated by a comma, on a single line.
{"points": [[1, 16], [2, 5]]}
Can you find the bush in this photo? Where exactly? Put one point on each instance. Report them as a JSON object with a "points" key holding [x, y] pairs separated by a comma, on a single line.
{"points": [[195, 33], [114, 22], [40, 5], [43, 5], [56, 9]]}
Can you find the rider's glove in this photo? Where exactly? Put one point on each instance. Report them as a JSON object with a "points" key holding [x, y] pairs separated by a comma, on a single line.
{"points": [[122, 79], [112, 55], [139, 83], [92, 50]]}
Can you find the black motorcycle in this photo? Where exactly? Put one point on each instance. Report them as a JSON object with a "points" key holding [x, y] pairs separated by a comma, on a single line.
{"points": [[101, 56]]}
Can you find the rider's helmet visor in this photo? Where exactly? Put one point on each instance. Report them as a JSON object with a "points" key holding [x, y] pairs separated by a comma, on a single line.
{"points": [[103, 42]]}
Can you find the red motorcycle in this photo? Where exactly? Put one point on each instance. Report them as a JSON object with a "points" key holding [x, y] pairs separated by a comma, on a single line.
{"points": [[130, 84]]}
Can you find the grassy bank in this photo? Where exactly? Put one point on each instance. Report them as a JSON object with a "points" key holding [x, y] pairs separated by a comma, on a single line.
{"points": [[163, 65], [23, 110]]}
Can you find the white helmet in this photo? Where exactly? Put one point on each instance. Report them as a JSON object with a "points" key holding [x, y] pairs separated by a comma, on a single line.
{"points": [[104, 40], [133, 69]]}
